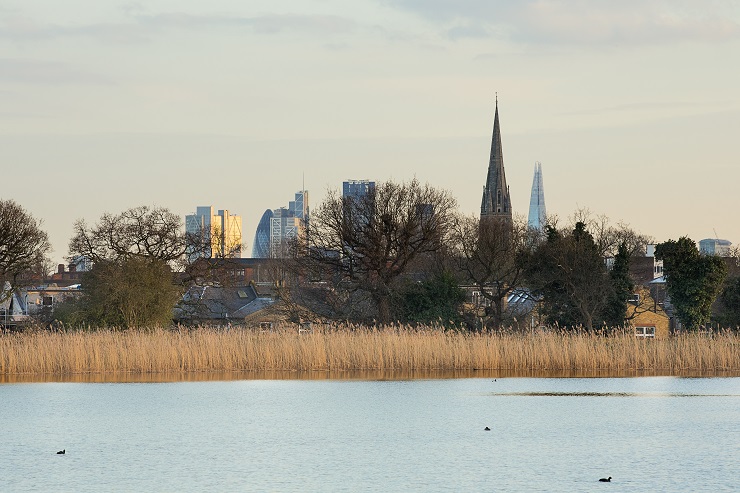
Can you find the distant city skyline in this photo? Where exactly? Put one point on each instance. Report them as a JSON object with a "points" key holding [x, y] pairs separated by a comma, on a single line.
{"points": [[632, 106], [219, 233]]}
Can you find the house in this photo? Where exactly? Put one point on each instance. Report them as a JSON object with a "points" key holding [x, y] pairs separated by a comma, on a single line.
{"points": [[37, 301], [219, 304], [283, 312], [42, 299], [12, 308], [646, 316], [263, 272]]}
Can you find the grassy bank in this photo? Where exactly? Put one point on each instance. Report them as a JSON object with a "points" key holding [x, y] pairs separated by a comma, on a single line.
{"points": [[212, 350]]}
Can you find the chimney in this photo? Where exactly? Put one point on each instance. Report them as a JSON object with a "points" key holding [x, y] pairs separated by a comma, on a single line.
{"points": [[60, 268]]}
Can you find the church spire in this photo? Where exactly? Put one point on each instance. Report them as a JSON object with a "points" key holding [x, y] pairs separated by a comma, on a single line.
{"points": [[496, 200]]}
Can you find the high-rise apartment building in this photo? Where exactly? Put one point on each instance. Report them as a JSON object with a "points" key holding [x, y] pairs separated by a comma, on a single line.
{"points": [[213, 235], [352, 193], [357, 188]]}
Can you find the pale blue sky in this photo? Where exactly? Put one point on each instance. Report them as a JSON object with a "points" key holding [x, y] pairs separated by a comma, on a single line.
{"points": [[632, 107]]}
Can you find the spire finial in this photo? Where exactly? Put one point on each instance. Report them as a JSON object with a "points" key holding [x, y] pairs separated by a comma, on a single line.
{"points": [[497, 98]]}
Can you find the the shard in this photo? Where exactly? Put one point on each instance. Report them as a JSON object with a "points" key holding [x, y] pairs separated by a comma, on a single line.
{"points": [[537, 212]]}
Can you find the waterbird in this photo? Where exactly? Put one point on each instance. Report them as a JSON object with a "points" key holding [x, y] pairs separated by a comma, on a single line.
{"points": [[606, 480], [62, 452], [487, 428]]}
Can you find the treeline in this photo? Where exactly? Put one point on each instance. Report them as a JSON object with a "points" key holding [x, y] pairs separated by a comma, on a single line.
{"points": [[401, 253]]}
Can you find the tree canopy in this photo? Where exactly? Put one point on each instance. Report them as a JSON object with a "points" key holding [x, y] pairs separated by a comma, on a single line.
{"points": [[23, 244], [730, 301], [569, 272], [368, 243], [150, 232], [131, 281], [126, 293], [693, 280], [488, 253], [433, 301]]}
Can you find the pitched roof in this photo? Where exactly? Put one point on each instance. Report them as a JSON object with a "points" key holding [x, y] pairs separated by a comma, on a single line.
{"points": [[219, 303]]}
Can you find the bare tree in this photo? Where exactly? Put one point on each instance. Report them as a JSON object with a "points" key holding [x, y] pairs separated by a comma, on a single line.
{"points": [[365, 244], [154, 233], [608, 236], [133, 253], [488, 254], [23, 245]]}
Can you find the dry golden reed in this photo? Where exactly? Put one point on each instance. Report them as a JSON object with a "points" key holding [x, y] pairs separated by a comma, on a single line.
{"points": [[356, 348]]}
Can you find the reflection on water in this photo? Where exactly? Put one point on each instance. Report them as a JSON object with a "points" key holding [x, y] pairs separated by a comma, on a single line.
{"points": [[364, 431], [375, 375], [607, 394]]}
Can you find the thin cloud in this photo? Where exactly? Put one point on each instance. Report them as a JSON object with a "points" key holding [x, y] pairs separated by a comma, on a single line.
{"points": [[265, 24], [468, 31], [650, 106], [143, 27], [598, 22], [20, 28], [17, 71]]}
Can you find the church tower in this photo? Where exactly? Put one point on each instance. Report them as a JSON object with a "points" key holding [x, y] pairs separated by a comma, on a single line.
{"points": [[496, 202]]}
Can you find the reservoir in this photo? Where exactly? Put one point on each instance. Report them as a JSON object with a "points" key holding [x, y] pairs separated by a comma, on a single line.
{"points": [[546, 434]]}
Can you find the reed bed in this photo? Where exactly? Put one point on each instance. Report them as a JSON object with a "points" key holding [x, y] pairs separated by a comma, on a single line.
{"points": [[354, 348]]}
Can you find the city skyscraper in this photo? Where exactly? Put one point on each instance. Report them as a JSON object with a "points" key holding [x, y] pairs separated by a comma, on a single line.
{"points": [[288, 223], [537, 211], [352, 193], [261, 245], [496, 202], [218, 235]]}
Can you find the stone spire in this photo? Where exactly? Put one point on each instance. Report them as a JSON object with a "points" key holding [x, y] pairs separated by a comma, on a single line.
{"points": [[496, 201], [537, 211]]}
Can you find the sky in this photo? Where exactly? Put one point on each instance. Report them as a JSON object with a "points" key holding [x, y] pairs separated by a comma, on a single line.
{"points": [[632, 107]]}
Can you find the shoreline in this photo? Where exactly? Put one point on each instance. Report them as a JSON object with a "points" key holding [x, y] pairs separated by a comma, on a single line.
{"points": [[344, 375]]}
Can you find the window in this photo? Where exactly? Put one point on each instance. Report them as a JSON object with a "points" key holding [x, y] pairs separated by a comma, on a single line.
{"points": [[645, 332], [47, 301], [479, 299]]}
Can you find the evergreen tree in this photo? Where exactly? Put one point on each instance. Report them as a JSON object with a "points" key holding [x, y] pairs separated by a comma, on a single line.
{"points": [[126, 293], [730, 298], [437, 300], [570, 275], [615, 311], [694, 280]]}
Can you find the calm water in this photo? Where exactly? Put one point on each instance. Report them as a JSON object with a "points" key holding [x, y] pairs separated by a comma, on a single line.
{"points": [[650, 434]]}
